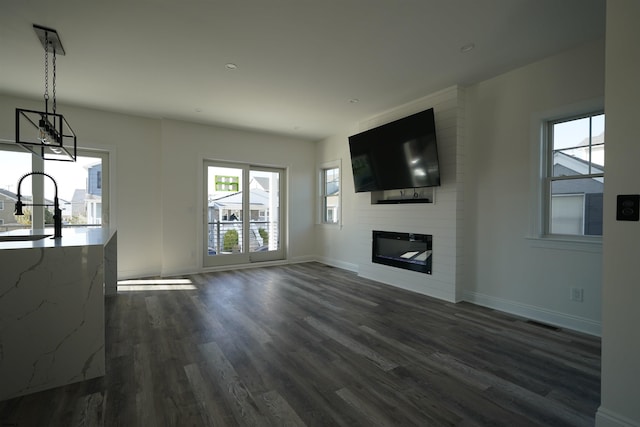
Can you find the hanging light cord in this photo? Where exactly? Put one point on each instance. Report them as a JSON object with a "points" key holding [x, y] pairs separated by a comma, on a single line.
{"points": [[54, 79], [48, 130], [46, 73]]}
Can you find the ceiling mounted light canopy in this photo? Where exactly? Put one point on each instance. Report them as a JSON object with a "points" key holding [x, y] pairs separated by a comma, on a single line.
{"points": [[467, 47], [47, 134]]}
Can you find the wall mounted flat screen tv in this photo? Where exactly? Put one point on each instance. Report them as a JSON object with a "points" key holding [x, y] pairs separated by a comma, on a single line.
{"points": [[397, 155]]}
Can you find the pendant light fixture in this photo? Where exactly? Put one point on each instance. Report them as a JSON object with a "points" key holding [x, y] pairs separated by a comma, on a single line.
{"points": [[47, 133]]}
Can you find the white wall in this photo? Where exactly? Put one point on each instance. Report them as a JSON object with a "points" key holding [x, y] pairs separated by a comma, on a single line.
{"points": [[157, 181], [349, 246], [184, 148], [484, 211], [334, 243], [504, 268], [135, 204], [621, 286]]}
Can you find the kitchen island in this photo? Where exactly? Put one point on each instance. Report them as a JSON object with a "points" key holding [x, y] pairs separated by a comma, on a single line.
{"points": [[52, 328]]}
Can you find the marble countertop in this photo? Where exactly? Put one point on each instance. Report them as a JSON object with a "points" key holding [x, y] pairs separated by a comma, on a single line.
{"points": [[76, 236], [52, 297]]}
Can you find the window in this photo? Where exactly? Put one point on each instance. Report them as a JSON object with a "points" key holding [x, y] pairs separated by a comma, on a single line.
{"points": [[14, 162], [81, 201], [1, 205], [330, 195], [80, 188], [574, 177]]}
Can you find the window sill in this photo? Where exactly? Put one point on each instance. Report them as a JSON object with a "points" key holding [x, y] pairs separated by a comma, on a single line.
{"points": [[591, 245]]}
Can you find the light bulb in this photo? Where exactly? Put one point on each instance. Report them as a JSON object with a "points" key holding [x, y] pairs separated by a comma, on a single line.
{"points": [[42, 135]]}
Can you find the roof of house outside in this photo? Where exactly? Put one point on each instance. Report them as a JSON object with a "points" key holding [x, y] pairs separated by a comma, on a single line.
{"points": [[13, 196], [332, 188], [262, 181], [576, 164], [258, 198], [595, 140], [8, 194]]}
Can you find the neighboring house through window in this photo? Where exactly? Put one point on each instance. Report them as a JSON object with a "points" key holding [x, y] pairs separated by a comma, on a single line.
{"points": [[83, 187], [574, 175], [93, 195], [330, 194]]}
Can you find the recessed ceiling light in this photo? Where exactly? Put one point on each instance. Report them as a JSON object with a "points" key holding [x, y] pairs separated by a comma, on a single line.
{"points": [[198, 110], [231, 66], [354, 100], [467, 47]]}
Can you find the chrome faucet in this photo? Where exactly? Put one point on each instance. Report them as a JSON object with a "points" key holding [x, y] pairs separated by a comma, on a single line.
{"points": [[57, 213]]}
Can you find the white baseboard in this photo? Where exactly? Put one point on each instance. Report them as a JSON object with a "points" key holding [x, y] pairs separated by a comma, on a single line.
{"points": [[301, 259], [540, 314], [338, 264], [135, 274], [178, 272], [607, 418]]}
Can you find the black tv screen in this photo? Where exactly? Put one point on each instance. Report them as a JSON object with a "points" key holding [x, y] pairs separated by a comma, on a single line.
{"points": [[397, 155]]}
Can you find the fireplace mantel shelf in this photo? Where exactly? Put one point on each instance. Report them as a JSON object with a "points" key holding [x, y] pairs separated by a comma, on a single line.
{"points": [[401, 201]]}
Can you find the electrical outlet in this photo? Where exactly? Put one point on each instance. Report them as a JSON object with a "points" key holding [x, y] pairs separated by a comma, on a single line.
{"points": [[576, 294]]}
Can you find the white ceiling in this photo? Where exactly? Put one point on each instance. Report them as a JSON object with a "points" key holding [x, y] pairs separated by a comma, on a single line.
{"points": [[300, 62]]}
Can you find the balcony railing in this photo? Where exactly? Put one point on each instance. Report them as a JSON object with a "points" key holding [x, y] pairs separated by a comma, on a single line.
{"points": [[218, 229]]}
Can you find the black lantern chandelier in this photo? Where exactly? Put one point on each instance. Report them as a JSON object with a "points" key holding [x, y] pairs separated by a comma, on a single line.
{"points": [[47, 133]]}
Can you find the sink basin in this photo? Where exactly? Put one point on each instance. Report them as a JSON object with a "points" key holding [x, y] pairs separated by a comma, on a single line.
{"points": [[23, 238]]}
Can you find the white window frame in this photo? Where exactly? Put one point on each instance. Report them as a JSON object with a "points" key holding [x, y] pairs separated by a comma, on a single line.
{"points": [[537, 235], [322, 196], [39, 164], [105, 184], [549, 178]]}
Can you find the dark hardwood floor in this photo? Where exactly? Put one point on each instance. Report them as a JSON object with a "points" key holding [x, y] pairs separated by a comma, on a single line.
{"points": [[312, 345]]}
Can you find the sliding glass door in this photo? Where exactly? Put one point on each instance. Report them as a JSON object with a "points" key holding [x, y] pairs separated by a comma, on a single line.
{"points": [[243, 220]]}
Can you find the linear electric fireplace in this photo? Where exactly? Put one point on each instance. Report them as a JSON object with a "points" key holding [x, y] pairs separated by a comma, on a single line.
{"points": [[403, 250]]}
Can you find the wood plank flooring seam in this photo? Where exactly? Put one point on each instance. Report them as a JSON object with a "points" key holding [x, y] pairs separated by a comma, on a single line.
{"points": [[312, 345]]}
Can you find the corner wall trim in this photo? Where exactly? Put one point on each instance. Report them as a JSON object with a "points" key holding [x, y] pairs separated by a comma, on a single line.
{"points": [[607, 418], [576, 323]]}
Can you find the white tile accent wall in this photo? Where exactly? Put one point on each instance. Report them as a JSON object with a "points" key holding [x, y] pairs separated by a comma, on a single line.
{"points": [[442, 219]]}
